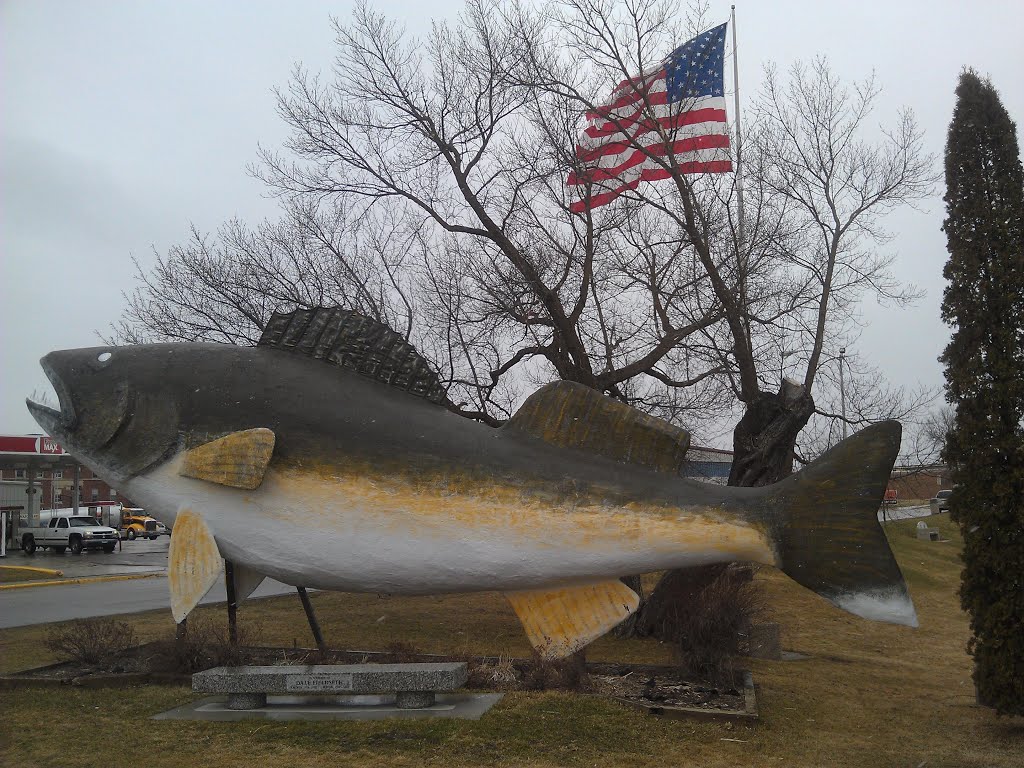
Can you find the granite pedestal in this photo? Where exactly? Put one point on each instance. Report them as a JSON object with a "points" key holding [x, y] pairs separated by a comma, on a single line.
{"points": [[414, 685]]}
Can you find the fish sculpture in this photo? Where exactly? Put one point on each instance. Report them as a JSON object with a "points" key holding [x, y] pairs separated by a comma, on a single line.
{"points": [[325, 457]]}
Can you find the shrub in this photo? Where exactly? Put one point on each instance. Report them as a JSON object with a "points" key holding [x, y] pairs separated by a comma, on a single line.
{"points": [[708, 620], [568, 674], [203, 645], [500, 674], [90, 641]]}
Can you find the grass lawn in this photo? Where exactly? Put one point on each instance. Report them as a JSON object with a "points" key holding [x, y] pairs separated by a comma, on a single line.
{"points": [[10, 574], [870, 695]]}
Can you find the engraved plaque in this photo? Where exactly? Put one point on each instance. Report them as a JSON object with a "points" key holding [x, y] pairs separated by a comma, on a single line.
{"points": [[318, 682]]}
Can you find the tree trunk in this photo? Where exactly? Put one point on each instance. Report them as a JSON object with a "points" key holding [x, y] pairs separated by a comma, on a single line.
{"points": [[763, 445], [765, 437]]}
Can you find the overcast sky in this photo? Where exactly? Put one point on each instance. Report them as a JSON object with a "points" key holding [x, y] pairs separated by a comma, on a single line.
{"points": [[124, 122]]}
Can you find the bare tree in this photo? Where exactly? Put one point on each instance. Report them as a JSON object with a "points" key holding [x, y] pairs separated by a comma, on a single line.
{"points": [[433, 173], [790, 281], [808, 148], [810, 254], [452, 131], [223, 288], [424, 183]]}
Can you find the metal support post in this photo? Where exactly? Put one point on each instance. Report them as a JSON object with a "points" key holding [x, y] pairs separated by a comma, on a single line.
{"points": [[181, 631], [32, 506], [229, 583], [311, 617], [78, 488]]}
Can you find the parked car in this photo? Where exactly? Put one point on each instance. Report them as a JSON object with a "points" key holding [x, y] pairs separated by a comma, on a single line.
{"points": [[941, 502], [77, 532]]}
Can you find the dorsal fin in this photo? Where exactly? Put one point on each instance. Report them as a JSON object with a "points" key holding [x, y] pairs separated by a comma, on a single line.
{"points": [[351, 340], [572, 415]]}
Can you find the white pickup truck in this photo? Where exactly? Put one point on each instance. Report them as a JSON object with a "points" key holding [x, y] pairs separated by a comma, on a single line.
{"points": [[69, 532]]}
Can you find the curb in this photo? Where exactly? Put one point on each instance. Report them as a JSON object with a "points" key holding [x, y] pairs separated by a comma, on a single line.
{"points": [[83, 580], [32, 569]]}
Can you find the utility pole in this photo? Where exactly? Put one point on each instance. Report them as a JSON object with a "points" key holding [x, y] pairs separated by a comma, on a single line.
{"points": [[842, 389], [739, 136]]}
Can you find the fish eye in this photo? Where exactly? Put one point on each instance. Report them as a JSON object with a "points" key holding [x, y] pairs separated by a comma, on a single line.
{"points": [[103, 356]]}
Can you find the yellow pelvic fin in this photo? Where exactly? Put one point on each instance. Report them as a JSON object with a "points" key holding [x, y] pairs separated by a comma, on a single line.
{"points": [[572, 415], [193, 563], [560, 622], [238, 460], [246, 581]]}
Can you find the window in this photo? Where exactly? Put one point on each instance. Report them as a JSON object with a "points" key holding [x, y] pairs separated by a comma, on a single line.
{"points": [[58, 475], [95, 493], [19, 474], [113, 493], [62, 523]]}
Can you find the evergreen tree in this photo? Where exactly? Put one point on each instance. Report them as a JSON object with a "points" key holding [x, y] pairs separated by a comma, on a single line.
{"points": [[984, 302]]}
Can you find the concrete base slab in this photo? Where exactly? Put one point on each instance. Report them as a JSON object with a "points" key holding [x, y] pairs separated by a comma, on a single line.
{"points": [[466, 706]]}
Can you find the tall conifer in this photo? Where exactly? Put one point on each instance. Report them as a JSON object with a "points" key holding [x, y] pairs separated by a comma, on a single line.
{"points": [[984, 302]]}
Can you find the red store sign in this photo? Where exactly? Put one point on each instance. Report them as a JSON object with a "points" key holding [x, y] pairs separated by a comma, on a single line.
{"points": [[30, 444]]}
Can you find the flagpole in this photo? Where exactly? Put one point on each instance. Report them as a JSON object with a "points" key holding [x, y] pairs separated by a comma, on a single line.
{"points": [[739, 133]]}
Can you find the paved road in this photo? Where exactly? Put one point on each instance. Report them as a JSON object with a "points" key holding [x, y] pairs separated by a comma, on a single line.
{"points": [[905, 513], [39, 605], [60, 602]]}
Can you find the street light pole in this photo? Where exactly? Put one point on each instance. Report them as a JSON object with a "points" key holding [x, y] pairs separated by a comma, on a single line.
{"points": [[842, 389]]}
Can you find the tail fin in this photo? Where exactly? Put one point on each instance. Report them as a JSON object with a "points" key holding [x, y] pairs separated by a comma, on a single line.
{"points": [[828, 535]]}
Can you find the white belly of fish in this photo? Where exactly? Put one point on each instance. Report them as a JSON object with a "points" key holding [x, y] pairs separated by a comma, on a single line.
{"points": [[354, 534]]}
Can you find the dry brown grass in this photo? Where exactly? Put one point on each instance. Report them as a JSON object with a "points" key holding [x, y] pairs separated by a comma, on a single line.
{"points": [[869, 696]]}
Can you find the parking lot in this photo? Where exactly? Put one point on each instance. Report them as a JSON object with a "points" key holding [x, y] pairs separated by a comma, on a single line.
{"points": [[139, 556]]}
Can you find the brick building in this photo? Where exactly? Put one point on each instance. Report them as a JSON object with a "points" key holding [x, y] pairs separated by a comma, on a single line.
{"points": [[920, 482], [37, 474], [56, 486]]}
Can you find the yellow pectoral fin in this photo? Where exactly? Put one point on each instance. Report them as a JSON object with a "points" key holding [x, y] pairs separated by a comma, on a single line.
{"points": [[238, 460], [193, 563], [560, 622]]}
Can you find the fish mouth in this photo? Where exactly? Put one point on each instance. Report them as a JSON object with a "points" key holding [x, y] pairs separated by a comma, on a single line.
{"points": [[54, 422]]}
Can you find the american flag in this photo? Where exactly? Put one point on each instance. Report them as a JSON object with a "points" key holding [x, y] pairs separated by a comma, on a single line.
{"points": [[687, 103]]}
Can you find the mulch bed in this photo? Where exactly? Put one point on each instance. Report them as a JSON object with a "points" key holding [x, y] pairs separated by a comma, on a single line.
{"points": [[662, 687]]}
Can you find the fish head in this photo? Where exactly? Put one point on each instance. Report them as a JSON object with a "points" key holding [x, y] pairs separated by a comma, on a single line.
{"points": [[116, 413]]}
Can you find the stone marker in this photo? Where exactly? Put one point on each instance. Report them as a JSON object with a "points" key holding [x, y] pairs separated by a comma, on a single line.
{"points": [[414, 685], [925, 533]]}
